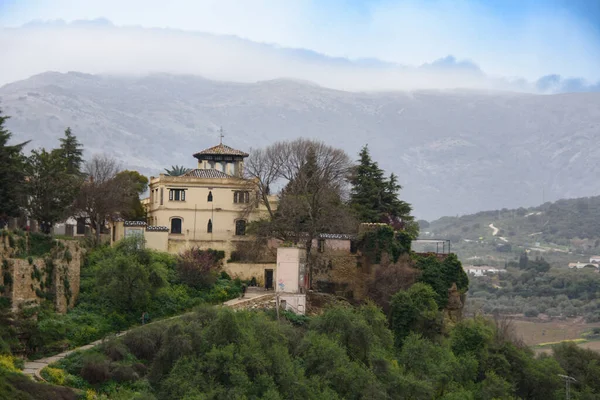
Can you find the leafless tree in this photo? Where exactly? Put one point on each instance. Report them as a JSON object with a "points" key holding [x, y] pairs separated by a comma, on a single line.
{"points": [[389, 278], [263, 169], [104, 193], [313, 177]]}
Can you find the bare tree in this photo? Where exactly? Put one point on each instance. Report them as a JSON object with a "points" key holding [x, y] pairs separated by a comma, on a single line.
{"points": [[389, 278], [105, 192], [314, 177]]}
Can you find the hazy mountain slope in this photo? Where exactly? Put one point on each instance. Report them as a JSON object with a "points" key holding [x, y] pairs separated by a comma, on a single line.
{"points": [[454, 151], [562, 231]]}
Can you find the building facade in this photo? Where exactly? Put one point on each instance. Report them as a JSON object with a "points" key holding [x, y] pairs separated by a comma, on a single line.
{"points": [[207, 207]]}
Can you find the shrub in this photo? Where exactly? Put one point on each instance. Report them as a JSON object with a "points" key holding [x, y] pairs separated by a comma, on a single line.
{"points": [[7, 363], [124, 373], [225, 275], [531, 312], [114, 350], [95, 369], [296, 319], [68, 257], [144, 343], [56, 376], [199, 268]]}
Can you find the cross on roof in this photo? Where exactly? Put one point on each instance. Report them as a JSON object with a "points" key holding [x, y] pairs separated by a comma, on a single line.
{"points": [[221, 136]]}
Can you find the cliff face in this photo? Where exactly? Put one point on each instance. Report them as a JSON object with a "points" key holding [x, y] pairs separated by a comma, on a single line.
{"points": [[454, 308], [26, 280]]}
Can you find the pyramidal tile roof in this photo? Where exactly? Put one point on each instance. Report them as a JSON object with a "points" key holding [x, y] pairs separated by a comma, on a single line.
{"points": [[221, 149], [206, 173]]}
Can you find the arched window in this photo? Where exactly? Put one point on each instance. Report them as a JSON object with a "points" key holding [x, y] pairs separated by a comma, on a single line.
{"points": [[210, 196], [240, 227], [176, 225], [209, 226]]}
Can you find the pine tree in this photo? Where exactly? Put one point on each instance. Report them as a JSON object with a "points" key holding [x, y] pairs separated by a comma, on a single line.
{"points": [[71, 152], [375, 198], [368, 184], [12, 176]]}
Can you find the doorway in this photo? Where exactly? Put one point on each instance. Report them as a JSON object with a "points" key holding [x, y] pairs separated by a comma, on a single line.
{"points": [[268, 279]]}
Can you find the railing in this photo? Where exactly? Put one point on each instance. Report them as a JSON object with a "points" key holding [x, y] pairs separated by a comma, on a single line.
{"points": [[435, 246]]}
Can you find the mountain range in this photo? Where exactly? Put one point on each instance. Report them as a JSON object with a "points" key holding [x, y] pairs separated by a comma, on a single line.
{"points": [[455, 151]]}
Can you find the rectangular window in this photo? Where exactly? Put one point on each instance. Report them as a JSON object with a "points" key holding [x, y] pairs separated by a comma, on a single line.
{"points": [[241, 197], [161, 196], [321, 245], [177, 194]]}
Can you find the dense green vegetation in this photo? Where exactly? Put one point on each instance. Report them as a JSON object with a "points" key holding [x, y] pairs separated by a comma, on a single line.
{"points": [[118, 284], [49, 186], [563, 231], [345, 353]]}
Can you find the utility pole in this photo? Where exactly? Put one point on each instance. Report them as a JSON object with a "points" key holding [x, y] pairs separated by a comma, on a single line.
{"points": [[568, 381]]}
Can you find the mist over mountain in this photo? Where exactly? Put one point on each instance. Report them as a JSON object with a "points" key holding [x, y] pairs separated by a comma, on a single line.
{"points": [[100, 47], [455, 151]]}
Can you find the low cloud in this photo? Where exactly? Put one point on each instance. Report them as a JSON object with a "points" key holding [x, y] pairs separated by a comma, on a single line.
{"points": [[99, 47], [557, 84]]}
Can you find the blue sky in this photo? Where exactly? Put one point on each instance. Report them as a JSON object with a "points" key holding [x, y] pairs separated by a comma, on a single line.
{"points": [[527, 39]]}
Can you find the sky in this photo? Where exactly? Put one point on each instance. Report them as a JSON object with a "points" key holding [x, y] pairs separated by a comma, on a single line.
{"points": [[553, 45]]}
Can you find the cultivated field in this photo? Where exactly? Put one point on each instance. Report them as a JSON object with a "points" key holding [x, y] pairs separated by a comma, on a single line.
{"points": [[536, 332]]}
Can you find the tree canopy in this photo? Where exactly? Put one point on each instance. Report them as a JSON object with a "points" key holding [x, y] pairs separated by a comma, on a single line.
{"points": [[71, 152], [12, 174], [105, 193], [51, 189], [374, 198]]}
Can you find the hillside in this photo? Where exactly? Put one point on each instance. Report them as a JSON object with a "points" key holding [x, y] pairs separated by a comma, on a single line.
{"points": [[454, 151], [563, 231]]}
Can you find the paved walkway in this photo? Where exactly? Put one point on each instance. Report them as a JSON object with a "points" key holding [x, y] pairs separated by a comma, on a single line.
{"points": [[33, 368], [251, 294]]}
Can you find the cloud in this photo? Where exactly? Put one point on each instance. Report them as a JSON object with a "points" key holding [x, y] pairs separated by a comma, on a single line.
{"points": [[451, 63], [99, 47], [557, 84], [507, 38]]}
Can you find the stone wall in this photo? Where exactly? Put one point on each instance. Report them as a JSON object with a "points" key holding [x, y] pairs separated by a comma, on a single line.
{"points": [[55, 277], [340, 273], [247, 271]]}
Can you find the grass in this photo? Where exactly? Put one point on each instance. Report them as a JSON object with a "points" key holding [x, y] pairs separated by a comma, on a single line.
{"points": [[550, 344], [535, 333]]}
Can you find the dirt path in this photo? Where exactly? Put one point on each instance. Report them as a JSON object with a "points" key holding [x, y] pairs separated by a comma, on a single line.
{"points": [[495, 232], [33, 368]]}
